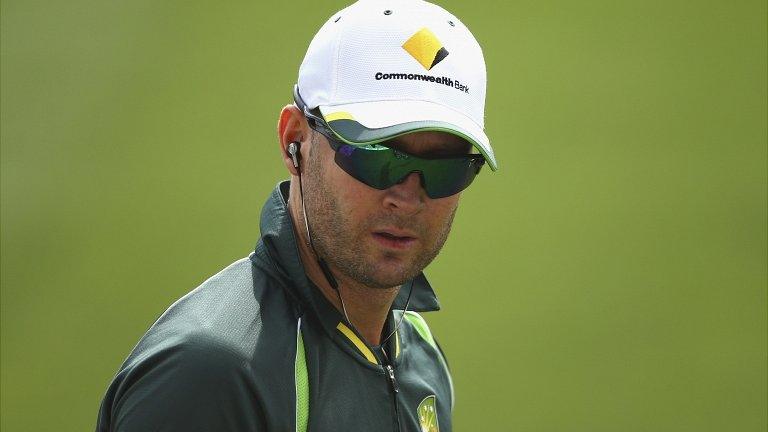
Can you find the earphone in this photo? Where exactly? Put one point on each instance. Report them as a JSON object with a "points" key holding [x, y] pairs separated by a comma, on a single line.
{"points": [[293, 150]]}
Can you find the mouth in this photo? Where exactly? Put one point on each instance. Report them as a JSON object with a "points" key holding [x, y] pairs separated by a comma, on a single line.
{"points": [[393, 239]]}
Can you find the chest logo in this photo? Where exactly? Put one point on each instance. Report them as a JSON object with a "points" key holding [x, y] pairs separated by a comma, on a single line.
{"points": [[428, 414]]}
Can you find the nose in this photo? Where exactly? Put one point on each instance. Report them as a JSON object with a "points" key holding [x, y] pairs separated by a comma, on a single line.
{"points": [[407, 197]]}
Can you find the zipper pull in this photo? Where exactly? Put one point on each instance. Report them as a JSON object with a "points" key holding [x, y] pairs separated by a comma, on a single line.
{"points": [[392, 378]]}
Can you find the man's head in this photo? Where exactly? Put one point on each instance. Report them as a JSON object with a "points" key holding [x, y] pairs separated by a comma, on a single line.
{"points": [[390, 104], [380, 238]]}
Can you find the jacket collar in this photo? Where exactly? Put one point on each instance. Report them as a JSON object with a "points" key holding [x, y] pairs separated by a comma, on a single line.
{"points": [[279, 244]]}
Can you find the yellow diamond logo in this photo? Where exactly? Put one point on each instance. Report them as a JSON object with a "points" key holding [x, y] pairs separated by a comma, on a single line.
{"points": [[426, 48]]}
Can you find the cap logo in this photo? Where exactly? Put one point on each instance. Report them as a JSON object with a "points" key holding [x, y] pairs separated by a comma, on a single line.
{"points": [[426, 48]]}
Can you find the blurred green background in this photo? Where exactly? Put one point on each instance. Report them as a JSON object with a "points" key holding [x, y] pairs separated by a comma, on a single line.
{"points": [[610, 277]]}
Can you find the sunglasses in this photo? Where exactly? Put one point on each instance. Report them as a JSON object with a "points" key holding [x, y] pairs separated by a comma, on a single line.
{"points": [[382, 167]]}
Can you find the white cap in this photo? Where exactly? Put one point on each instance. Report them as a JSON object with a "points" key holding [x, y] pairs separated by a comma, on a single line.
{"points": [[383, 68]]}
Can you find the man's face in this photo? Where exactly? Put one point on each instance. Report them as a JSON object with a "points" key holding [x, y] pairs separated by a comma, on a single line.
{"points": [[380, 238]]}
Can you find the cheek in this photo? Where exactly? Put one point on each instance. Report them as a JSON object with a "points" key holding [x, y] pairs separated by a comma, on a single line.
{"points": [[360, 201], [354, 199], [445, 205], [440, 212]]}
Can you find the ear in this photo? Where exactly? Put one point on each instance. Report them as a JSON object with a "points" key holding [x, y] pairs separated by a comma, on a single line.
{"points": [[292, 126]]}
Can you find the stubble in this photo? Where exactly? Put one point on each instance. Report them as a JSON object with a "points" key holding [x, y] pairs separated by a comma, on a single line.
{"points": [[346, 245]]}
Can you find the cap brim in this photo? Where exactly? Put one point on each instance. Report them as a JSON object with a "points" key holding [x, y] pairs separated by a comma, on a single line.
{"points": [[372, 122]]}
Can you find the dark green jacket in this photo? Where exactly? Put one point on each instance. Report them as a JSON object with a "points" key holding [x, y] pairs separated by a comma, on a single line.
{"points": [[258, 348]]}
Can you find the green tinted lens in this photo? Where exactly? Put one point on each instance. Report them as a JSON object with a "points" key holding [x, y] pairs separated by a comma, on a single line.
{"points": [[381, 167], [446, 177]]}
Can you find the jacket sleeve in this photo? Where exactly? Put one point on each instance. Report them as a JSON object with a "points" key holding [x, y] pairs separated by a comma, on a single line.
{"points": [[195, 383]]}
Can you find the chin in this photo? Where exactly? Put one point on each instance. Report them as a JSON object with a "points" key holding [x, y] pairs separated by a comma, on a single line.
{"points": [[379, 269], [390, 277]]}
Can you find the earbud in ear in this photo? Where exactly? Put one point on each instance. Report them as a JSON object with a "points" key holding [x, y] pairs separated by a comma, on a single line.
{"points": [[293, 150]]}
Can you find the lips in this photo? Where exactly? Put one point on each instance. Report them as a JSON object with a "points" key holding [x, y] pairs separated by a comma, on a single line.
{"points": [[394, 239]]}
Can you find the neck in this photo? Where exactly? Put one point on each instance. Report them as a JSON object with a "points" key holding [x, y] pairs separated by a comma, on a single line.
{"points": [[367, 308]]}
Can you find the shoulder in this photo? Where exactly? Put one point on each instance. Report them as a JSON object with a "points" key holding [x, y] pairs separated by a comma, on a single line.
{"points": [[191, 381], [429, 351], [211, 347], [232, 315], [229, 311], [420, 326]]}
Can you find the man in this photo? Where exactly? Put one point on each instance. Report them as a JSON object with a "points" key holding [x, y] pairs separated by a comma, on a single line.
{"points": [[318, 328]]}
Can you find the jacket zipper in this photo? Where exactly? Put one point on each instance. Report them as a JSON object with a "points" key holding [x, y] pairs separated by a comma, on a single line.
{"points": [[390, 371]]}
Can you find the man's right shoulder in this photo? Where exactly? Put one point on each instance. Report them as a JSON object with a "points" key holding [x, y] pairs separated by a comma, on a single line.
{"points": [[213, 343], [228, 310]]}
